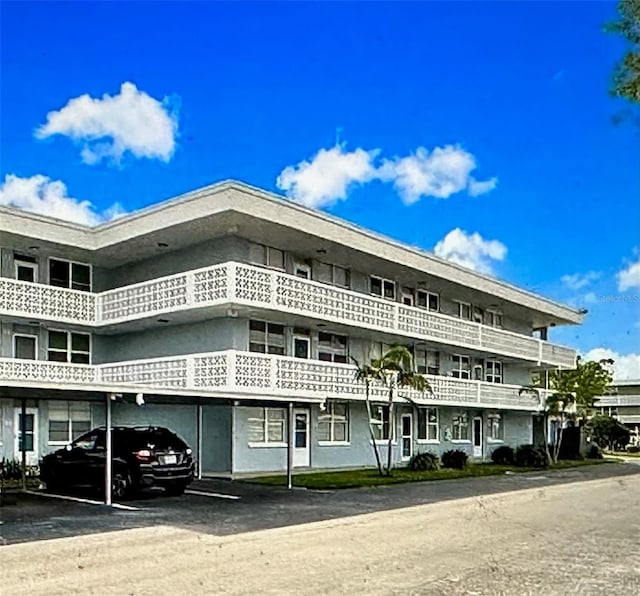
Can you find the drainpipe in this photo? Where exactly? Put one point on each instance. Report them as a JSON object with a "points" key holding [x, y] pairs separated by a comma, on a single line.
{"points": [[108, 451], [290, 446]]}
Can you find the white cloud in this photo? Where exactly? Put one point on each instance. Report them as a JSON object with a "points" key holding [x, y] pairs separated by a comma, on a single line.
{"points": [[478, 187], [576, 281], [590, 298], [327, 177], [470, 250], [39, 194], [439, 173], [624, 366], [108, 127], [629, 277]]}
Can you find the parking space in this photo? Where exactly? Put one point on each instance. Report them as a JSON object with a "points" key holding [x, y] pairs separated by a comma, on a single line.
{"points": [[223, 507]]}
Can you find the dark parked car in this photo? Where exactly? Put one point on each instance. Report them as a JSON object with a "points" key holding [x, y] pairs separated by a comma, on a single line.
{"points": [[142, 457]]}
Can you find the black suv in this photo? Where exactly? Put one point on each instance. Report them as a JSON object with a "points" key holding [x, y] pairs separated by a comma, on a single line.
{"points": [[142, 457]]}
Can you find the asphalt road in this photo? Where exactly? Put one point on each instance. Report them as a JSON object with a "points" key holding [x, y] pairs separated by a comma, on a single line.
{"points": [[576, 536], [259, 507]]}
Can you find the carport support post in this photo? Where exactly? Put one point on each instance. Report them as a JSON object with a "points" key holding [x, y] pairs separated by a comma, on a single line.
{"points": [[290, 446], [107, 462], [23, 447]]}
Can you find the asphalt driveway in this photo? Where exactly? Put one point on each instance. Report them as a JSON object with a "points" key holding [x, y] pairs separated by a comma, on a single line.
{"points": [[222, 507]]}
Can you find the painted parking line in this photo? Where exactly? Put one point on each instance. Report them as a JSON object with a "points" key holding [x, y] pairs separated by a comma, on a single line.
{"points": [[81, 500], [202, 493]]}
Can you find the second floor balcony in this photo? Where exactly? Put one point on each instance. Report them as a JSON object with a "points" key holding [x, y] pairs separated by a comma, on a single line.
{"points": [[233, 284], [230, 372]]}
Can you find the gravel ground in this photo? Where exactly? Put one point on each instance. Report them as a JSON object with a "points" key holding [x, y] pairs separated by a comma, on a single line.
{"points": [[579, 538]]}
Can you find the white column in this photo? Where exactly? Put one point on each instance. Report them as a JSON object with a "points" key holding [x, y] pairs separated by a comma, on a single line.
{"points": [[108, 453], [290, 446]]}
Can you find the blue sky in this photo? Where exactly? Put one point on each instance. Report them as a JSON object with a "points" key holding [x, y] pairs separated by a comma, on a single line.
{"points": [[483, 130]]}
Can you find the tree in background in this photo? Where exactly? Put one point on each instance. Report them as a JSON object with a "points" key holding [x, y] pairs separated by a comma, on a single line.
{"points": [[569, 395], [626, 77], [608, 433]]}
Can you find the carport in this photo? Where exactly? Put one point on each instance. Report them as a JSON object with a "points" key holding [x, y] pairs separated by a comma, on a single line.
{"points": [[105, 397]]}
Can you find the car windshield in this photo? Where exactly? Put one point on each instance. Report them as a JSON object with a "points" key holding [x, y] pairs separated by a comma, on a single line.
{"points": [[90, 440]]}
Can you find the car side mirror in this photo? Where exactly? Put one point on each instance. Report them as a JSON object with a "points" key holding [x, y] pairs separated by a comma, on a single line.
{"points": [[69, 447]]}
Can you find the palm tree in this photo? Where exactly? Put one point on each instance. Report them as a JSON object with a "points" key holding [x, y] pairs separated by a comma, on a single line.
{"points": [[394, 370], [368, 373], [556, 405]]}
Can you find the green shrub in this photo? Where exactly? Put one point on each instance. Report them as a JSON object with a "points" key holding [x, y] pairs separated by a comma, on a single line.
{"points": [[11, 469], [424, 462], [633, 448], [503, 456], [454, 458], [528, 456], [594, 452]]}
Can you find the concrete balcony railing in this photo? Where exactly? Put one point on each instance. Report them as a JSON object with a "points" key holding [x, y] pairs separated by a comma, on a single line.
{"points": [[41, 301], [234, 284], [232, 372], [618, 400]]}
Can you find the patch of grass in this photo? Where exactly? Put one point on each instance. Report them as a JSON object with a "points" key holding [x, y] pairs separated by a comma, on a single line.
{"points": [[621, 454], [370, 477], [15, 484]]}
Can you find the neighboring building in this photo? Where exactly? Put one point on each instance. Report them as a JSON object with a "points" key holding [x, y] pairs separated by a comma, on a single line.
{"points": [[624, 404], [227, 304]]}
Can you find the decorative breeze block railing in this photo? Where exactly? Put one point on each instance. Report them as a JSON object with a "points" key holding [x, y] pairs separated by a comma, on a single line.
{"points": [[239, 284], [24, 299], [265, 375]]}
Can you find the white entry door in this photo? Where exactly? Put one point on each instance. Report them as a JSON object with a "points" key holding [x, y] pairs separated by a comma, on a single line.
{"points": [[30, 435], [477, 436], [407, 436], [301, 458]]}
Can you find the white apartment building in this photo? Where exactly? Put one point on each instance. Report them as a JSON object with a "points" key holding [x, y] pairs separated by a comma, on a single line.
{"points": [[236, 314]]}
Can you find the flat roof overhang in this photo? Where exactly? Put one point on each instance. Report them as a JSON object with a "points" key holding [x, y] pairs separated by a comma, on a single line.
{"points": [[230, 208]]}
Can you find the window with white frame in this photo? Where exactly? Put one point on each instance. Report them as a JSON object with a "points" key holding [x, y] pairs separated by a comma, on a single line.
{"points": [[377, 349], [427, 362], [68, 420], [493, 318], [427, 300], [26, 268], [69, 274], [333, 423], [460, 426], [266, 425], [477, 314], [25, 346], [428, 424], [332, 347], [69, 346], [493, 371], [385, 288], [259, 254], [301, 269], [461, 367], [267, 338], [464, 310], [495, 427], [407, 296], [380, 422], [331, 274]]}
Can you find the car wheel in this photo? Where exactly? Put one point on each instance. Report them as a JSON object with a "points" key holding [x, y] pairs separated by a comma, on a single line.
{"points": [[53, 485], [121, 485], [175, 490]]}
